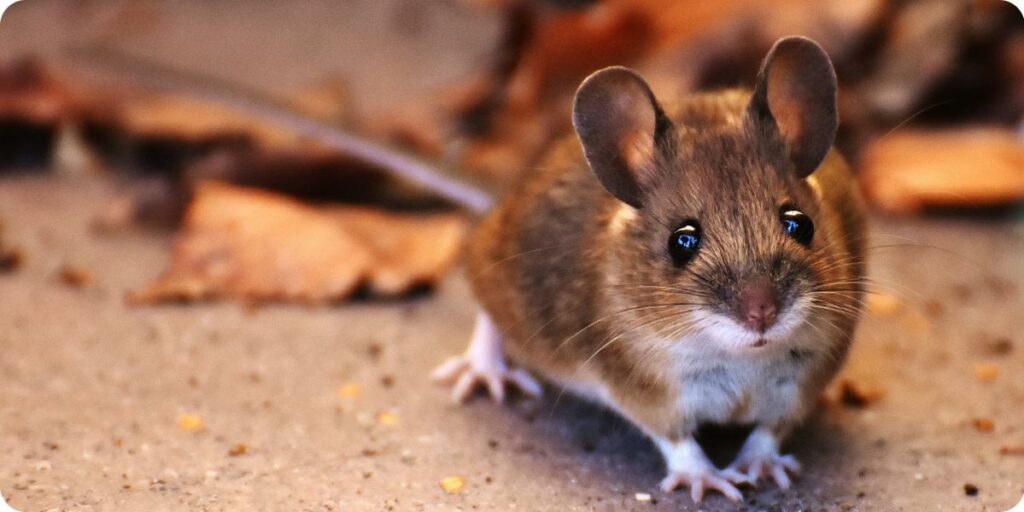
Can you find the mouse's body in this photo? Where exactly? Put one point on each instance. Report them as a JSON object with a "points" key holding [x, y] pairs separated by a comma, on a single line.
{"points": [[711, 273]]}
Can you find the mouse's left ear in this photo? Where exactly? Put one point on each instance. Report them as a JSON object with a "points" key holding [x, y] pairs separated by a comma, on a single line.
{"points": [[622, 129], [796, 95]]}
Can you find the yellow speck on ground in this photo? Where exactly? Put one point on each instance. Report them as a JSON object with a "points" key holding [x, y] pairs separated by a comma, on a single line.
{"points": [[986, 372], [387, 418], [453, 484], [189, 422], [883, 303], [349, 390]]}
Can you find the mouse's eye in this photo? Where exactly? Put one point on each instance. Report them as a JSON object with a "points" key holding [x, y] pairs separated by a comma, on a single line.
{"points": [[684, 242], [797, 225]]}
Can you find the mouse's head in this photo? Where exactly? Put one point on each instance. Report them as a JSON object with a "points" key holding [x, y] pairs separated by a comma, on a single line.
{"points": [[718, 228]]}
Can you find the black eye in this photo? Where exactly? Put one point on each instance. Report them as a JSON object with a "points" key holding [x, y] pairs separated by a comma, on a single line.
{"points": [[797, 224], [684, 242]]}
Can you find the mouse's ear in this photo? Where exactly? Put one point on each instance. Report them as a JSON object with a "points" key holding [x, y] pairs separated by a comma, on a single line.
{"points": [[796, 94], [621, 128]]}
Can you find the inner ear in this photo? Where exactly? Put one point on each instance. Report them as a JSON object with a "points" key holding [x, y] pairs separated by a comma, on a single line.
{"points": [[621, 128], [796, 94]]}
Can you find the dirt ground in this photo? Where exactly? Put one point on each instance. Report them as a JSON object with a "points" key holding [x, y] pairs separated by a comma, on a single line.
{"points": [[92, 390]]}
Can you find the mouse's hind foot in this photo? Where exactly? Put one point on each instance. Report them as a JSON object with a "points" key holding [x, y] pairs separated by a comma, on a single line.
{"points": [[484, 363]]}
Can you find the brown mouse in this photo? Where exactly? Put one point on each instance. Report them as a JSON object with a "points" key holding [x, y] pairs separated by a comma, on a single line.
{"points": [[696, 263]]}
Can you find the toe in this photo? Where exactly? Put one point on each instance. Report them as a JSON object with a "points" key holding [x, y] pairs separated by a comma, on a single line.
{"points": [[669, 483], [754, 470], [697, 490], [790, 463], [735, 476], [449, 370], [463, 387], [526, 383], [725, 487], [496, 387], [780, 477]]}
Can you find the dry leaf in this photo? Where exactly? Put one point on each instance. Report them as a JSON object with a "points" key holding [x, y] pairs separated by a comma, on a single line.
{"points": [[909, 171], [238, 449], [32, 94], [35, 108], [188, 120], [256, 246]]}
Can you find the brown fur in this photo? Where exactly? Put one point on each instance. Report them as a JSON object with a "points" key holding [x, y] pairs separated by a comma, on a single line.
{"points": [[580, 302]]}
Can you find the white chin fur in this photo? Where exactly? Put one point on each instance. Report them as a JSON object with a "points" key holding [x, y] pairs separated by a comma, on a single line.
{"points": [[730, 335]]}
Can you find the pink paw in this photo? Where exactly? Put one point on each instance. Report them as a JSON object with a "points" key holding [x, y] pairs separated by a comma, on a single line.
{"points": [[466, 375], [700, 481], [751, 469], [760, 457]]}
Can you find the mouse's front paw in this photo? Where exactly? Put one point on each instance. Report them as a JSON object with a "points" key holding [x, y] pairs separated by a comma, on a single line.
{"points": [[751, 469], [759, 458], [466, 373], [700, 480]]}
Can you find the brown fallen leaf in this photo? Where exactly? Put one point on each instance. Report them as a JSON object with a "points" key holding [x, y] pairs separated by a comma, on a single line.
{"points": [[32, 93], [256, 246], [36, 107], [238, 449], [912, 170]]}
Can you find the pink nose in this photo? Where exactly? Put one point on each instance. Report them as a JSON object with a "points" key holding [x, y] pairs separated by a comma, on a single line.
{"points": [[758, 306]]}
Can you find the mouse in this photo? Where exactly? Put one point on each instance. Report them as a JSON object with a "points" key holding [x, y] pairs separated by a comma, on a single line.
{"points": [[683, 261], [698, 260]]}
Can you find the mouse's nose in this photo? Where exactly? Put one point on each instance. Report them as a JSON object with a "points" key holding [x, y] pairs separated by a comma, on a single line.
{"points": [[758, 306]]}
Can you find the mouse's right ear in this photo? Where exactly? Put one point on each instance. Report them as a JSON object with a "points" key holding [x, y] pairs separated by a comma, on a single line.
{"points": [[621, 128], [795, 96]]}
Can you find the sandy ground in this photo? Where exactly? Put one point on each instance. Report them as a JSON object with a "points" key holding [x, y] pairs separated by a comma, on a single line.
{"points": [[92, 389]]}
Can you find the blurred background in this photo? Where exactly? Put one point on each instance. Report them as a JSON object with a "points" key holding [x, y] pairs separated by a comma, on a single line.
{"points": [[206, 305]]}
